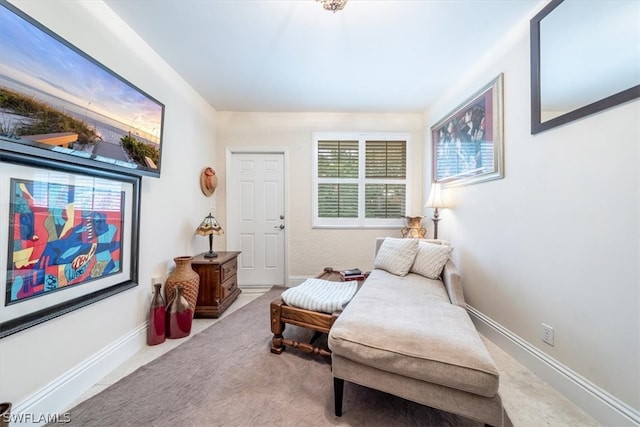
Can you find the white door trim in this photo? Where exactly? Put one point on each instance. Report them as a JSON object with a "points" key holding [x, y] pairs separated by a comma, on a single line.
{"points": [[230, 151]]}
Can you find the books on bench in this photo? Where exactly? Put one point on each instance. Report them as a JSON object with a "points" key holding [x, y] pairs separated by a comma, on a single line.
{"points": [[352, 274]]}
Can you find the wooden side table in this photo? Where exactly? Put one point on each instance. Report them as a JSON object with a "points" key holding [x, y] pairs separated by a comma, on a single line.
{"points": [[218, 283]]}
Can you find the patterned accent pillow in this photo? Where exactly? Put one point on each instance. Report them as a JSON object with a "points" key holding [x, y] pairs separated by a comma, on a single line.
{"points": [[396, 255], [430, 259]]}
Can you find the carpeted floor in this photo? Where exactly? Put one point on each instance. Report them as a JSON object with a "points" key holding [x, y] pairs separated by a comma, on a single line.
{"points": [[226, 376]]}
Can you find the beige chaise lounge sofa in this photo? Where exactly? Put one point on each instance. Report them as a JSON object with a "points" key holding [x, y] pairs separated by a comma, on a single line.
{"points": [[411, 336]]}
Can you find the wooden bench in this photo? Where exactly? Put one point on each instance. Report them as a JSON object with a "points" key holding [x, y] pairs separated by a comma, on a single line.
{"points": [[321, 323]]}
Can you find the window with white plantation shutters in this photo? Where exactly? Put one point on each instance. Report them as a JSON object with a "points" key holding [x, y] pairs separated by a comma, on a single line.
{"points": [[360, 181], [338, 179], [385, 176]]}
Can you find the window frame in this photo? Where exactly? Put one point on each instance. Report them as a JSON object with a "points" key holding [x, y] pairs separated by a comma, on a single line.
{"points": [[360, 222]]}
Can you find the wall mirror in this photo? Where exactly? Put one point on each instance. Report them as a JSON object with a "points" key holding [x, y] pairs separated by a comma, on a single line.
{"points": [[585, 58]]}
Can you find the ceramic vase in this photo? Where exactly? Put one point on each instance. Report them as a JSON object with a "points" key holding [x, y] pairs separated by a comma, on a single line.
{"points": [[179, 315], [184, 276], [156, 333], [414, 228]]}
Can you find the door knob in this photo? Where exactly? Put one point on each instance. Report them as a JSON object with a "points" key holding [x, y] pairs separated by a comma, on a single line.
{"points": [[281, 226]]}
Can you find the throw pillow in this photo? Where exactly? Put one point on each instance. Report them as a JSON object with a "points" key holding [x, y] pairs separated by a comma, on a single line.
{"points": [[430, 259], [396, 255]]}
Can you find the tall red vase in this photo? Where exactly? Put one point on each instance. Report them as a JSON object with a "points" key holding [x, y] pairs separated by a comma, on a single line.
{"points": [[156, 333], [179, 315]]}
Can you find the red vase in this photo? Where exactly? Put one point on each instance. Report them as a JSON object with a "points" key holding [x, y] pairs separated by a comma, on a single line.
{"points": [[157, 318], [179, 315]]}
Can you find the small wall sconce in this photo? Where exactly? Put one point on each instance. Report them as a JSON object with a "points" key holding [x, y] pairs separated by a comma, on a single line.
{"points": [[209, 227], [435, 201]]}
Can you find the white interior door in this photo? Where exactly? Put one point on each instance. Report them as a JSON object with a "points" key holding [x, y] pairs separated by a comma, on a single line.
{"points": [[256, 217]]}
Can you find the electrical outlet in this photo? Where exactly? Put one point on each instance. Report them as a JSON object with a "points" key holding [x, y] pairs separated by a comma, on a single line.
{"points": [[547, 334]]}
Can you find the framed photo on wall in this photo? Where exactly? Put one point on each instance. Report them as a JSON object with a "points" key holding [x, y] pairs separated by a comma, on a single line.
{"points": [[467, 144], [68, 238], [57, 102]]}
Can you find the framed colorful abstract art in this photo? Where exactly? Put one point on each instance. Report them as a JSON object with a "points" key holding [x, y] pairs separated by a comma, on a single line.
{"points": [[68, 238]]}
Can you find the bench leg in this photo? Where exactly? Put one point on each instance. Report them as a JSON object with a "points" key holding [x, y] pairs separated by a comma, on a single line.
{"points": [[277, 327], [338, 388]]}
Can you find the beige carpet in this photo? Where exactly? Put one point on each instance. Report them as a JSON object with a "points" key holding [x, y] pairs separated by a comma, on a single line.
{"points": [[226, 376]]}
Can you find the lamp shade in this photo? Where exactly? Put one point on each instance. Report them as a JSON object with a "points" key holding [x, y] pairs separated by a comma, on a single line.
{"points": [[435, 197], [209, 226]]}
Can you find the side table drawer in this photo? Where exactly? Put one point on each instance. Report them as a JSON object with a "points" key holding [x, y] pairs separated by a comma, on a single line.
{"points": [[228, 270], [229, 287]]}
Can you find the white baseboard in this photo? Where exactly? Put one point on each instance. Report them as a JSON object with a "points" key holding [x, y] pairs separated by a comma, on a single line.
{"points": [[291, 282], [599, 404], [255, 289], [56, 397]]}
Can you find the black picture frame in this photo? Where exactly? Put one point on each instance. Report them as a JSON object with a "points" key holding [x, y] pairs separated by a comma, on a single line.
{"points": [[66, 106], [34, 310]]}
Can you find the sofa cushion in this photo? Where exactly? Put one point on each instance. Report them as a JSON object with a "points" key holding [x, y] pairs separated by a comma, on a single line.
{"points": [[430, 259], [411, 288], [396, 255], [410, 328]]}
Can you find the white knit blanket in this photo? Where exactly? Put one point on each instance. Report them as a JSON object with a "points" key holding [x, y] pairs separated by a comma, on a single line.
{"points": [[320, 295]]}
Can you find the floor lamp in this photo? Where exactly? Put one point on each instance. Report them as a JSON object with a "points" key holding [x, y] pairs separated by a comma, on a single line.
{"points": [[435, 201]]}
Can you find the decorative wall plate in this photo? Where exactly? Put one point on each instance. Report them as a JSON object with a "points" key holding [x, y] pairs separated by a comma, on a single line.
{"points": [[208, 181]]}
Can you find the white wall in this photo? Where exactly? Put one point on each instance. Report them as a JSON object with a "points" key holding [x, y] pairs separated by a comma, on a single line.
{"points": [[310, 250], [558, 239], [171, 208]]}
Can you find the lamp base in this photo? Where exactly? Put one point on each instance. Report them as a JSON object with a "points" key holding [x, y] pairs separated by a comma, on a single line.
{"points": [[210, 254], [435, 227]]}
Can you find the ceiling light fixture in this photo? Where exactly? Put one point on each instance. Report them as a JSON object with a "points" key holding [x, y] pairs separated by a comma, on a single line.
{"points": [[333, 5]]}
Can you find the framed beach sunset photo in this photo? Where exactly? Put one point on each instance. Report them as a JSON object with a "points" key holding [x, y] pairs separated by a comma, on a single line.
{"points": [[58, 103]]}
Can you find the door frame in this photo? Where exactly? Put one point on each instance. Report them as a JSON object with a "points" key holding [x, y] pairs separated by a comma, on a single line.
{"points": [[232, 225]]}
